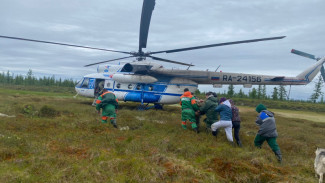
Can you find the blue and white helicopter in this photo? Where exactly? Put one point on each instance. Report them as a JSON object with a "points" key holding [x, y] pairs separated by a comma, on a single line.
{"points": [[149, 82]]}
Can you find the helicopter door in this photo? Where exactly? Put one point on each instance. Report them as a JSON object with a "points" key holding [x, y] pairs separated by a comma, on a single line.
{"points": [[99, 86], [141, 88]]}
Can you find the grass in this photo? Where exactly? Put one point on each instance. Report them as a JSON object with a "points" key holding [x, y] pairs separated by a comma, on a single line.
{"points": [[56, 138]]}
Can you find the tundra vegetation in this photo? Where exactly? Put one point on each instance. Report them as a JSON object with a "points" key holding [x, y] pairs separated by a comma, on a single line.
{"points": [[49, 136]]}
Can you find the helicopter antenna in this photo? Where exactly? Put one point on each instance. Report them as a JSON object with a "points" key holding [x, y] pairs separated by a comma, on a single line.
{"points": [[189, 66], [217, 68]]}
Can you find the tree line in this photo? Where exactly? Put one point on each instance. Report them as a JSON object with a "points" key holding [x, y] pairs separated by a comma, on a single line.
{"points": [[31, 80]]}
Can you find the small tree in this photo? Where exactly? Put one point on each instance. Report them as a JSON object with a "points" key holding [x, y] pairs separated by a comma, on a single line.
{"points": [[259, 92], [264, 92], [318, 90], [275, 94], [231, 90], [8, 77], [253, 93], [241, 94], [282, 92], [29, 77]]}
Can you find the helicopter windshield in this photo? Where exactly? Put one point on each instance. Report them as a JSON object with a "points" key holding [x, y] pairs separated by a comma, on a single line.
{"points": [[79, 83]]}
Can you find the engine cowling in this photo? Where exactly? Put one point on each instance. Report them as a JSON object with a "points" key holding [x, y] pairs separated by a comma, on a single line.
{"points": [[108, 68], [132, 78]]}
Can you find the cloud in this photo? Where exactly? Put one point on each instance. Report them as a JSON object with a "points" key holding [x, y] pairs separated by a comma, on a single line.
{"points": [[175, 24]]}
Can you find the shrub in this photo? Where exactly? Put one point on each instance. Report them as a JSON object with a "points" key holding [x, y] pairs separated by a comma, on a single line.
{"points": [[47, 111], [28, 110]]}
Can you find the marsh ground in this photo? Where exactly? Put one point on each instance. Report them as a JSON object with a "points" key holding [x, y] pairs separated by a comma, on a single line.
{"points": [[54, 137]]}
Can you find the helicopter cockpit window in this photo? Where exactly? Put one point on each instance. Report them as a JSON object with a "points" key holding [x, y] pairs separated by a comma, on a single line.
{"points": [[79, 84], [108, 85], [118, 85], [138, 87], [85, 83], [130, 86], [150, 88]]}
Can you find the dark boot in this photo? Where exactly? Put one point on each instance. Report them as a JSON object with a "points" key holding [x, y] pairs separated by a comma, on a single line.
{"points": [[215, 133], [278, 155], [196, 130], [113, 122], [239, 143], [208, 130]]}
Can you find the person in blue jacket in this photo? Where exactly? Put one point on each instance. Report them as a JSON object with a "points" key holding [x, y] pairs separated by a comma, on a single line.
{"points": [[225, 119]]}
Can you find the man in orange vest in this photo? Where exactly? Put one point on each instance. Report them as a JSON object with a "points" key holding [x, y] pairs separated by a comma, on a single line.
{"points": [[189, 106], [108, 103]]}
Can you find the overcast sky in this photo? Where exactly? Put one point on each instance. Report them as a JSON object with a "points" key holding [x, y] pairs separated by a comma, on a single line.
{"points": [[174, 24]]}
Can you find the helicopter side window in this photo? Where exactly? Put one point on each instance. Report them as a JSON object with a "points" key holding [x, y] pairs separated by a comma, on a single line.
{"points": [[138, 87], [118, 85], [108, 85], [85, 83], [150, 88], [130, 86]]}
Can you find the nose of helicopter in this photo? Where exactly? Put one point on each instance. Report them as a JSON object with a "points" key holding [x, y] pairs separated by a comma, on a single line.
{"points": [[77, 86]]}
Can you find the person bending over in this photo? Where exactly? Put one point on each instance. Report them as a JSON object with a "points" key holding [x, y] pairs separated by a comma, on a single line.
{"points": [[225, 119]]}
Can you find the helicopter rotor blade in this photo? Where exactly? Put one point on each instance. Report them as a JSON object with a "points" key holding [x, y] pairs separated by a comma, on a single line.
{"points": [[170, 61], [63, 44], [218, 44], [147, 9], [108, 61]]}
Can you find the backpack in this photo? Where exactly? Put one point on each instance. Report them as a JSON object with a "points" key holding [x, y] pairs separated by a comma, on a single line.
{"points": [[235, 113]]}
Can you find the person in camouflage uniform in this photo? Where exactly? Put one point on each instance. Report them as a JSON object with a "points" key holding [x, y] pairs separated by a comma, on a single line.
{"points": [[208, 108], [108, 103], [189, 107]]}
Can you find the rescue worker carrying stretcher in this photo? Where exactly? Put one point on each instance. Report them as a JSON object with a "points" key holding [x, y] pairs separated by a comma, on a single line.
{"points": [[108, 103], [189, 107]]}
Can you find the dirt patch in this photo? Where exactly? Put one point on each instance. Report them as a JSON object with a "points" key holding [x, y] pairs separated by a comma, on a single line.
{"points": [[315, 117], [309, 116], [253, 171], [78, 152], [121, 138]]}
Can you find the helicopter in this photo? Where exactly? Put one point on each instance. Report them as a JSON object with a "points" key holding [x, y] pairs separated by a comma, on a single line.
{"points": [[147, 81]]}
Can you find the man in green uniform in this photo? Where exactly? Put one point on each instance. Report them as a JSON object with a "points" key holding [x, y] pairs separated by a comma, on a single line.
{"points": [[208, 108], [108, 103], [189, 107]]}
